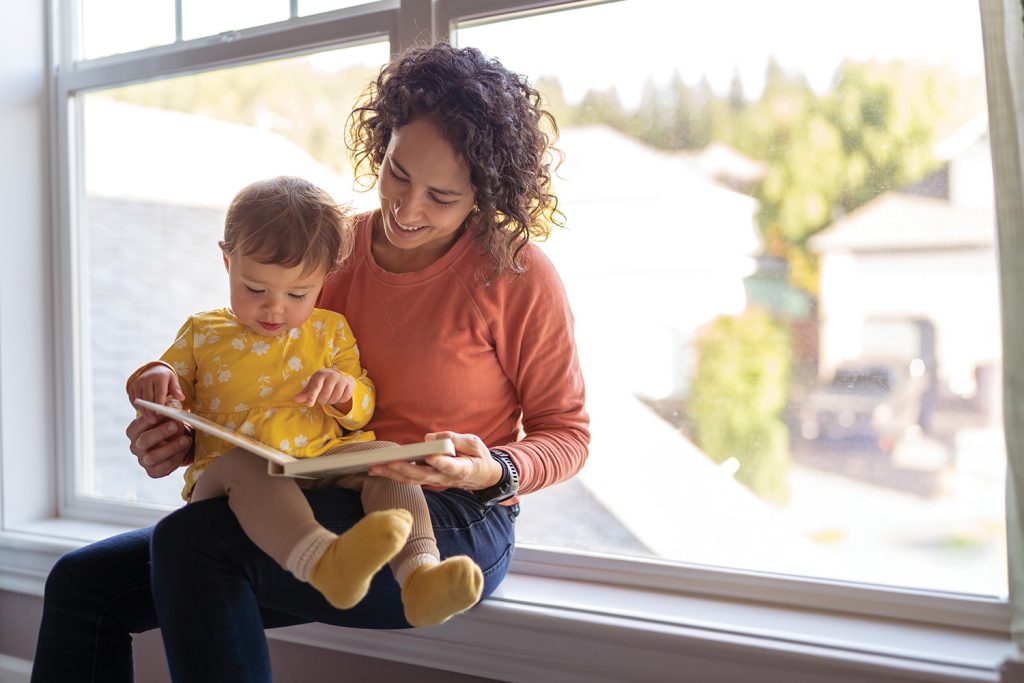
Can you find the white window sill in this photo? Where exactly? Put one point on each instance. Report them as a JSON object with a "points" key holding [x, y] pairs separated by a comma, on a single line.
{"points": [[555, 629]]}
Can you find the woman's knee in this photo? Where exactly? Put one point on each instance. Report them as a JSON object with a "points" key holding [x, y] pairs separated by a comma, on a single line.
{"points": [[199, 526]]}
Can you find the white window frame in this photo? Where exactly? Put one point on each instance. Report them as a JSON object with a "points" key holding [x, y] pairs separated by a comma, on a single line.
{"points": [[40, 518]]}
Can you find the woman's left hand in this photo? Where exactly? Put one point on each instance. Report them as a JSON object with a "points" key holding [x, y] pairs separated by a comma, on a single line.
{"points": [[472, 468]]}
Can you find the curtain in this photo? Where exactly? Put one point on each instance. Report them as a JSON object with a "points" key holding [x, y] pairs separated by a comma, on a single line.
{"points": [[1003, 32]]}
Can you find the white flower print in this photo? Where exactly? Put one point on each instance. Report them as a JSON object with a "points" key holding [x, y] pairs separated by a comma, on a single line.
{"points": [[248, 428], [198, 339], [214, 403], [294, 333], [208, 379], [231, 425], [266, 391], [240, 407], [213, 338], [260, 348], [269, 412], [180, 344], [223, 375], [181, 368], [301, 441], [295, 363], [318, 325], [238, 343], [284, 446]]}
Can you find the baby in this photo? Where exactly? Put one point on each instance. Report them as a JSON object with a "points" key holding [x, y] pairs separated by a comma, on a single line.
{"points": [[277, 369]]}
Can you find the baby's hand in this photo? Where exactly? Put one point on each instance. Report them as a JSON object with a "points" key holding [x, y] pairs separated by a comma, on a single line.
{"points": [[158, 384], [327, 387]]}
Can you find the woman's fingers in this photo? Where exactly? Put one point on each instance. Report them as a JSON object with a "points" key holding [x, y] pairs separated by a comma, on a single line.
{"points": [[161, 448]]}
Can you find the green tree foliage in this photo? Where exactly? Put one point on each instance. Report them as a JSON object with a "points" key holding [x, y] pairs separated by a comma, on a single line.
{"points": [[827, 155], [600, 106], [737, 397]]}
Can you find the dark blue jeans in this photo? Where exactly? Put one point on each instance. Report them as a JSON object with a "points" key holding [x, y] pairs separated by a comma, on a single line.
{"points": [[197, 577]]}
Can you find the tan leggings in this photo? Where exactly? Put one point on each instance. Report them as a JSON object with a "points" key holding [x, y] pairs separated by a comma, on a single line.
{"points": [[277, 518]]}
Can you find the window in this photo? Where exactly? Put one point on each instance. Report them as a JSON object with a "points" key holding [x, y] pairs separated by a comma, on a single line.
{"points": [[748, 231], [148, 224], [780, 252]]}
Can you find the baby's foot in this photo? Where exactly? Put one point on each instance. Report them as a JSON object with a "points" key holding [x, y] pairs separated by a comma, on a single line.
{"points": [[344, 572], [434, 593]]}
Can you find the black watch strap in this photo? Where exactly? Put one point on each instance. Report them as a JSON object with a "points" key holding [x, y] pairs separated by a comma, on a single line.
{"points": [[507, 486]]}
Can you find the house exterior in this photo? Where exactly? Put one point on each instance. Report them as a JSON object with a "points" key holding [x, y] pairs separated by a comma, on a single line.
{"points": [[926, 253]]}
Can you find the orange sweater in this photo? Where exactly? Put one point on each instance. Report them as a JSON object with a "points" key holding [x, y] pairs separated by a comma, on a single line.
{"points": [[449, 352]]}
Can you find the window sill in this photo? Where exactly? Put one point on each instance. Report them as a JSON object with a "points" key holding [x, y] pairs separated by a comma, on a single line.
{"points": [[549, 628]]}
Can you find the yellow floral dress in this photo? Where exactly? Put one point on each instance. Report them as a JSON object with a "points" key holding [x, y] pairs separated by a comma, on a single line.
{"points": [[248, 382]]}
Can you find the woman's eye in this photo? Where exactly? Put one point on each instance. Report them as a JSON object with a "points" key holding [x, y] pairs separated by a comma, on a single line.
{"points": [[397, 177], [441, 202], [254, 291]]}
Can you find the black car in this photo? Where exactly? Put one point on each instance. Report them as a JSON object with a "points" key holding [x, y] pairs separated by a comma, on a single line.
{"points": [[868, 403]]}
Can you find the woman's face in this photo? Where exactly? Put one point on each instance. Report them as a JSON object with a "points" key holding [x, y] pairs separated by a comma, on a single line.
{"points": [[425, 194]]}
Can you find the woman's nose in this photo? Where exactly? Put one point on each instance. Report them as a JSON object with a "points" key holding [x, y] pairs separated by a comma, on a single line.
{"points": [[408, 209]]}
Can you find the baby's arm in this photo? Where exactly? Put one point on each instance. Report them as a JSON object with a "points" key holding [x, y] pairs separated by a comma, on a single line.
{"points": [[155, 383], [355, 403]]}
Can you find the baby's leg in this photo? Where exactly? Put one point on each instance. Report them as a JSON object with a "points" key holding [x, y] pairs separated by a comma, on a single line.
{"points": [[432, 591], [276, 517]]}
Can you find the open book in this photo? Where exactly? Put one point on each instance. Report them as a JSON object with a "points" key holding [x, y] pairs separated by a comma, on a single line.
{"points": [[281, 464]]}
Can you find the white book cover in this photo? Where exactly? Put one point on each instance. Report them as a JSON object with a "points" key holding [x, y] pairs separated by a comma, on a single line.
{"points": [[280, 463]]}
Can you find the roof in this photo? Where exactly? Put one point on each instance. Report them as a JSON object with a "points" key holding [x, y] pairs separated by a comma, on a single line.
{"points": [[205, 161], [901, 221]]}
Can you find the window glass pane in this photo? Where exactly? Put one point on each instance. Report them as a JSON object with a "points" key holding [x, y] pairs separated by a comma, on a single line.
{"points": [[202, 18], [162, 161], [780, 254], [104, 22], [317, 6]]}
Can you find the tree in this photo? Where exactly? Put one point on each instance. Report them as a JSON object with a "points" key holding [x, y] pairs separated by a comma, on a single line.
{"points": [[601, 106], [737, 396], [827, 155], [647, 123]]}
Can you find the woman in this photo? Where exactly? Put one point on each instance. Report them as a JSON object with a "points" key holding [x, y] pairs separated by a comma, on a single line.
{"points": [[466, 331]]}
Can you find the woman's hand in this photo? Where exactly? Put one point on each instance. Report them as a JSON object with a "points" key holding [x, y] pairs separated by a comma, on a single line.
{"points": [[160, 448], [472, 468]]}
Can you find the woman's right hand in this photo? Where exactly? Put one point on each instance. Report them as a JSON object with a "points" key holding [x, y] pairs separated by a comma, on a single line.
{"points": [[160, 448]]}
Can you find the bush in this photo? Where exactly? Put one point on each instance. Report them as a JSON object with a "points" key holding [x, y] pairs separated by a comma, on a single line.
{"points": [[737, 397]]}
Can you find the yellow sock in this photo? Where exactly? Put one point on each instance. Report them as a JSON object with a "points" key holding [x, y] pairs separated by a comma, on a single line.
{"points": [[344, 572], [434, 593]]}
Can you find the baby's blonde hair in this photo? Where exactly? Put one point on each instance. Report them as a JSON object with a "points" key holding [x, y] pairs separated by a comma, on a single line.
{"points": [[288, 221]]}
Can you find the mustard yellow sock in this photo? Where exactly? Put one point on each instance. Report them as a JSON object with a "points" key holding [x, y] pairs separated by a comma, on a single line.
{"points": [[434, 593], [344, 572]]}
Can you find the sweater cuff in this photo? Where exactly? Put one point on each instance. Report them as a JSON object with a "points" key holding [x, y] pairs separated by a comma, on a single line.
{"points": [[355, 418]]}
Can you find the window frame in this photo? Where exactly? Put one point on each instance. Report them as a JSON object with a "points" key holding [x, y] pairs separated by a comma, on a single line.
{"points": [[403, 22]]}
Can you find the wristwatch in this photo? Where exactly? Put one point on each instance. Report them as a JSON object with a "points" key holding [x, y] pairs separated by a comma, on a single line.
{"points": [[507, 487]]}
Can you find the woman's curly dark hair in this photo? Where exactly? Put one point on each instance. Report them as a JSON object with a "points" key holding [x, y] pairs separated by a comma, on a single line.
{"points": [[492, 118]]}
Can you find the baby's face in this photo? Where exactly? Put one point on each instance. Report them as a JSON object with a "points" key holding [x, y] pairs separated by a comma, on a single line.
{"points": [[271, 299]]}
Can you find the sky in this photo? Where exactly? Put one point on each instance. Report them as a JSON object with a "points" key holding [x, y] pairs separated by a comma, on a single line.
{"points": [[618, 43]]}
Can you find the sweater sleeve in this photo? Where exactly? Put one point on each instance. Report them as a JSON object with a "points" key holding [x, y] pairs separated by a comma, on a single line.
{"points": [[346, 360], [535, 343]]}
